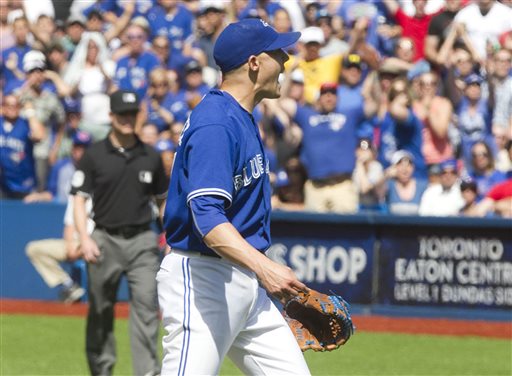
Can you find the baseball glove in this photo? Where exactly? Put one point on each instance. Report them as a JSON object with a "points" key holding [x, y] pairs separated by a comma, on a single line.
{"points": [[319, 322]]}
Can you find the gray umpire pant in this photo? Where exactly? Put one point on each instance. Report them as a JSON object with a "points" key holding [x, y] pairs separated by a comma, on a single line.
{"points": [[138, 258]]}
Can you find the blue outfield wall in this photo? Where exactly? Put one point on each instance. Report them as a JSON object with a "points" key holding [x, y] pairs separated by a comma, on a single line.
{"points": [[452, 267]]}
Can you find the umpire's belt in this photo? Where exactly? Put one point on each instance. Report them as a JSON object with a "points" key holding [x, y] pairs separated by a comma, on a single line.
{"points": [[125, 231], [331, 180]]}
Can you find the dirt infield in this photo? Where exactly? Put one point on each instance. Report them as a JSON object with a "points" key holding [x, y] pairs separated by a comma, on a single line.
{"points": [[370, 323]]}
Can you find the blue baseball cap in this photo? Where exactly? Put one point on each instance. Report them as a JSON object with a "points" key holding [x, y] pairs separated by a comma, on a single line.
{"points": [[239, 40], [449, 164], [473, 78], [164, 145], [82, 138]]}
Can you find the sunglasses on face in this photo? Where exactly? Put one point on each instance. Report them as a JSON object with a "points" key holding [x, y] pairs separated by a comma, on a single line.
{"points": [[428, 83], [159, 84], [135, 36]]}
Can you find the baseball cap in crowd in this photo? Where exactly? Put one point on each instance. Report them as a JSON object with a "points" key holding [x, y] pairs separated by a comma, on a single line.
{"points": [[207, 6], [473, 78], [82, 138], [329, 87], [281, 179], [193, 66], [297, 76], [164, 145], [312, 34], [76, 19], [34, 60], [124, 101], [239, 40], [399, 155], [468, 183], [323, 13], [352, 60], [422, 66], [449, 164]]}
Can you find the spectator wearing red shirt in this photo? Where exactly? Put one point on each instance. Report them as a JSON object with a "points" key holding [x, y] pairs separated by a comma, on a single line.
{"points": [[415, 27], [498, 200]]}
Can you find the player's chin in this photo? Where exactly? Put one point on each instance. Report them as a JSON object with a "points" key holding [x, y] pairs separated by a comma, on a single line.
{"points": [[275, 92]]}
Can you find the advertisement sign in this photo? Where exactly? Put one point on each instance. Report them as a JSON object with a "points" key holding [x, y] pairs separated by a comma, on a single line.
{"points": [[470, 270], [336, 260]]}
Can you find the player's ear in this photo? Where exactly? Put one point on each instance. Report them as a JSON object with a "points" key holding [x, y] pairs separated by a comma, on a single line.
{"points": [[254, 63]]}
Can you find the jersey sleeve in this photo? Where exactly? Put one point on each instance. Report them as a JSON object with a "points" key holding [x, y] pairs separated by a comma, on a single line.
{"points": [[207, 213], [81, 182], [210, 162]]}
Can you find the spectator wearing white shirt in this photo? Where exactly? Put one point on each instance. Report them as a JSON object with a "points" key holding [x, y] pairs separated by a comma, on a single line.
{"points": [[445, 198], [485, 21]]}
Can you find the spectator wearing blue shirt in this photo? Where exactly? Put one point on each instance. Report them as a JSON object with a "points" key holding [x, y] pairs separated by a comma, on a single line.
{"points": [[194, 86], [132, 71], [350, 100], [17, 137], [158, 112], [173, 20], [328, 144], [163, 104], [167, 150], [483, 171], [11, 67], [474, 114], [403, 190], [401, 129], [61, 174]]}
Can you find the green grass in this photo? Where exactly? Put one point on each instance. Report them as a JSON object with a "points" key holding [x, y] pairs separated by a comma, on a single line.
{"points": [[50, 345]]}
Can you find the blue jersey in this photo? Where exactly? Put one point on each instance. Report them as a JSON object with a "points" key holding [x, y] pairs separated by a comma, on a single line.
{"points": [[328, 144], [351, 104], [16, 156], [177, 27], [407, 136], [132, 72], [59, 181], [14, 52], [485, 182], [474, 127], [175, 104], [398, 206], [220, 154]]}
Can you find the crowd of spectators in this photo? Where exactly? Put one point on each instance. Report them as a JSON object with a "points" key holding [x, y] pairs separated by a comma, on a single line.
{"points": [[394, 106]]}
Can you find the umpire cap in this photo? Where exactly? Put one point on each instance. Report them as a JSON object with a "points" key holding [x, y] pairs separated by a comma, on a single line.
{"points": [[124, 101]]}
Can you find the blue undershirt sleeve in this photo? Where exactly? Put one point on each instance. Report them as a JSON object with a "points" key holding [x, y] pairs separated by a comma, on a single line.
{"points": [[207, 212]]}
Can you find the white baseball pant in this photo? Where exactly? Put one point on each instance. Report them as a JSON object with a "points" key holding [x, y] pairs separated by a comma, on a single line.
{"points": [[212, 308]]}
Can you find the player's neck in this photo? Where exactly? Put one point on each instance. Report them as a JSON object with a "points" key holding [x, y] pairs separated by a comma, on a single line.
{"points": [[243, 94]]}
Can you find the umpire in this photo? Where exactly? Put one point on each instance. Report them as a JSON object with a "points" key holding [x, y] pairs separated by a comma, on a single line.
{"points": [[122, 175]]}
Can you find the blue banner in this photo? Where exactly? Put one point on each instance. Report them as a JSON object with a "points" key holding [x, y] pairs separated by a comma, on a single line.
{"points": [[455, 268], [327, 258]]}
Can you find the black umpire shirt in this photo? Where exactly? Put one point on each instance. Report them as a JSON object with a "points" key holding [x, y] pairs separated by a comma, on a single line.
{"points": [[121, 183]]}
